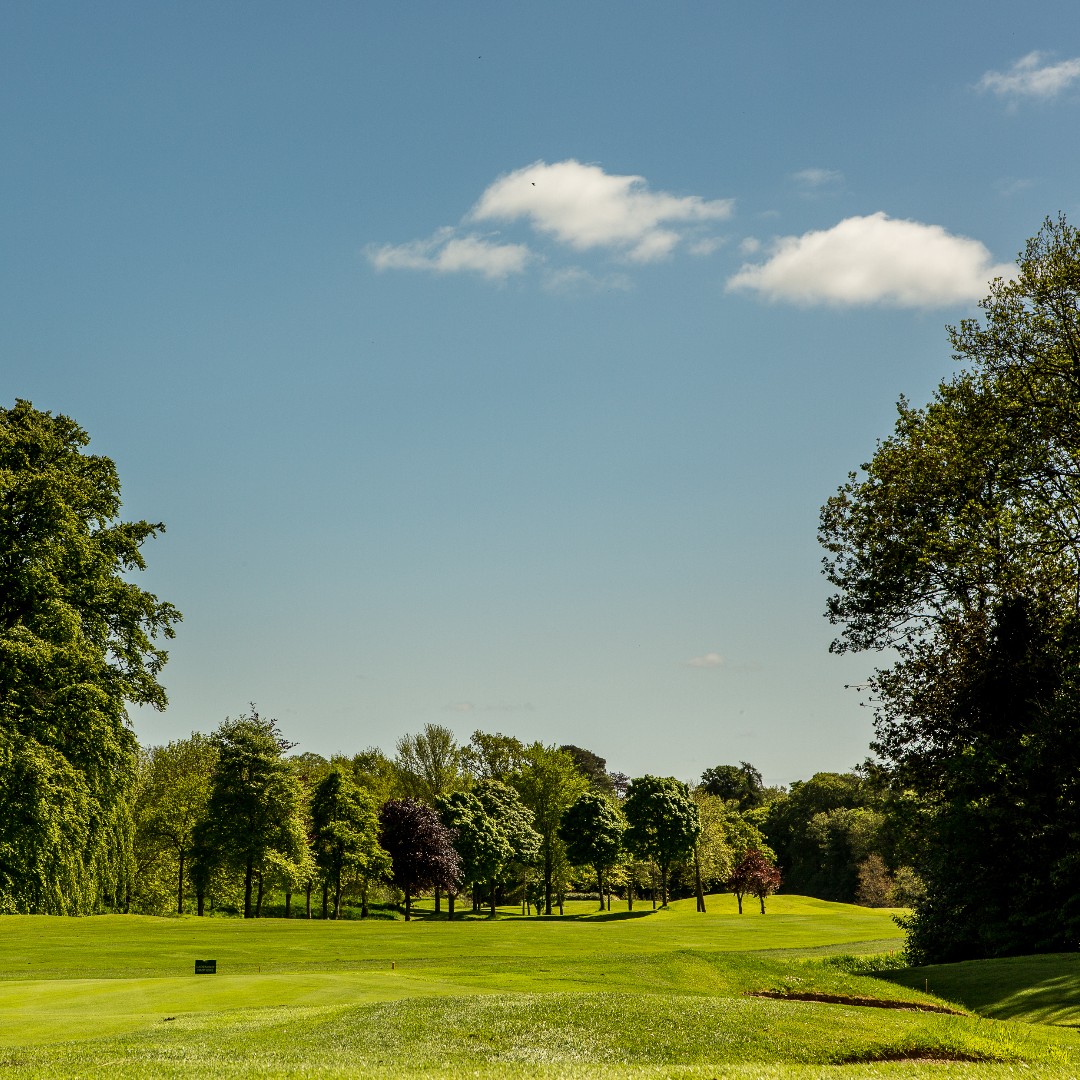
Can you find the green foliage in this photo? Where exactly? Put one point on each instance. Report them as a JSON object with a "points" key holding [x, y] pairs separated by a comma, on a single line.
{"points": [[663, 822], [493, 757], [253, 822], [548, 782], [592, 829], [593, 768], [77, 643], [959, 548], [171, 799], [345, 836], [430, 764], [740, 783]]}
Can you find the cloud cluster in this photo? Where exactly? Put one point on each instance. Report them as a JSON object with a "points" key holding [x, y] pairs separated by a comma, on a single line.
{"points": [[873, 259], [1032, 77], [580, 207], [584, 207]]}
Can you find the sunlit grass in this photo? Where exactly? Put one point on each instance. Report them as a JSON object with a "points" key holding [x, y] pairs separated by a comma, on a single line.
{"points": [[665, 994]]}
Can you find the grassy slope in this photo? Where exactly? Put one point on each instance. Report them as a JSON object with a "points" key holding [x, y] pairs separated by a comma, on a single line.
{"points": [[660, 994]]}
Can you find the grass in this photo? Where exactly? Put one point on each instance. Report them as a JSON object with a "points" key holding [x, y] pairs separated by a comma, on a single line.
{"points": [[665, 994]]}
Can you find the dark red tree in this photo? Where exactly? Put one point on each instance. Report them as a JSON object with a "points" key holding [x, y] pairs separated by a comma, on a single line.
{"points": [[754, 874], [420, 847]]}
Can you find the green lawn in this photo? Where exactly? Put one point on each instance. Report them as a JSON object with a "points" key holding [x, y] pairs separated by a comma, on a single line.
{"points": [[666, 994]]}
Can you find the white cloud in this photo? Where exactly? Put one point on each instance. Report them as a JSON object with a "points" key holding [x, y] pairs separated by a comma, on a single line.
{"points": [[446, 252], [750, 245], [708, 660], [584, 207], [874, 259], [1031, 77], [814, 181]]}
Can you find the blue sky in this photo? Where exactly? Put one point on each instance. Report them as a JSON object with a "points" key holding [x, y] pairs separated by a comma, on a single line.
{"points": [[489, 363]]}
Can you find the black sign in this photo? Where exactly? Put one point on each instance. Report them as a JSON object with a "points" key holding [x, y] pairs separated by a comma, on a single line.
{"points": [[205, 967]]}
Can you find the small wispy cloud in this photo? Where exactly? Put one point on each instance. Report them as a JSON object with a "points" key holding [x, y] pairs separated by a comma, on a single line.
{"points": [[707, 660], [1032, 76], [472, 706], [873, 260], [817, 181], [447, 253]]}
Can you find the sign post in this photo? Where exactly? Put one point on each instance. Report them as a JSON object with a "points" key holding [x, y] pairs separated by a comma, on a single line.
{"points": [[205, 967]]}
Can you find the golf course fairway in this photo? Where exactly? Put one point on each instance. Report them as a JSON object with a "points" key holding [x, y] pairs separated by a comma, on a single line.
{"points": [[671, 993]]}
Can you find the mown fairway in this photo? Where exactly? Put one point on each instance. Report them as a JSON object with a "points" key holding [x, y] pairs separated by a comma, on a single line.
{"points": [[655, 994]]}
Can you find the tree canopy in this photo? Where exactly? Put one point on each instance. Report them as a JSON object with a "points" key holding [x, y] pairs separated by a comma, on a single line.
{"points": [[958, 547], [78, 643]]}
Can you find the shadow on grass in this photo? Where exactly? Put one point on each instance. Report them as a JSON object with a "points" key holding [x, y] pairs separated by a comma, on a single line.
{"points": [[1038, 989]]}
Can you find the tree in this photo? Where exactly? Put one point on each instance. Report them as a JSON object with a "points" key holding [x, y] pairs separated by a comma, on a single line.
{"points": [[755, 874], [741, 784], [663, 822], [959, 548], [484, 849], [548, 783], [420, 847], [429, 764], [255, 802], [592, 830], [592, 767], [345, 824], [77, 645], [723, 832], [493, 757], [172, 800]]}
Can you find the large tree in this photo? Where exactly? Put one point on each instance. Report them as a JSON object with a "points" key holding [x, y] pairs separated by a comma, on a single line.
{"points": [[420, 847], [78, 643], [592, 830], [345, 827], [663, 822], [959, 541], [253, 818], [548, 783]]}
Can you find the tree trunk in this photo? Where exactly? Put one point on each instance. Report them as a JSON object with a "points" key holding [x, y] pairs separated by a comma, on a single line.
{"points": [[697, 881], [363, 901], [248, 871], [408, 906], [738, 900], [337, 895], [450, 898], [548, 871], [325, 898], [493, 898], [476, 897], [600, 886], [288, 903], [438, 899], [200, 899], [259, 898], [762, 899], [180, 886], [663, 884], [307, 899], [630, 893]]}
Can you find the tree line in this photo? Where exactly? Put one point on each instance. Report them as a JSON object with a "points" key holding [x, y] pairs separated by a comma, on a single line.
{"points": [[233, 822]]}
